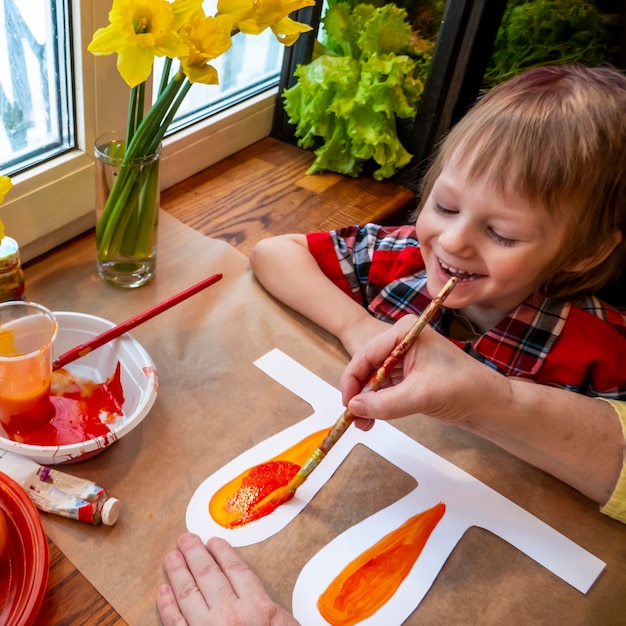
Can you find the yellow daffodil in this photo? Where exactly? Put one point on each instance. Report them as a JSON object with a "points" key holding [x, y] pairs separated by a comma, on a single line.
{"points": [[5, 186], [254, 16], [207, 38], [139, 30], [287, 31]]}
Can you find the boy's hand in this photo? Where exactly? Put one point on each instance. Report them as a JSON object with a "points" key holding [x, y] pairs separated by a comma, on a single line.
{"points": [[359, 332]]}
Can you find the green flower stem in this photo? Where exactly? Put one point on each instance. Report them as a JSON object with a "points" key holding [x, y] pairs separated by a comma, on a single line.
{"points": [[152, 124], [147, 204], [125, 225], [124, 234], [115, 217], [141, 97], [165, 76], [132, 111], [158, 137], [135, 110], [134, 236]]}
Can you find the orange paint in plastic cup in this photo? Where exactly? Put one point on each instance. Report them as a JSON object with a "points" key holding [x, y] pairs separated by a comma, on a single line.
{"points": [[27, 333]]}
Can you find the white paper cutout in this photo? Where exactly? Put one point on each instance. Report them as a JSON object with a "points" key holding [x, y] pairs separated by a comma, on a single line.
{"points": [[468, 503]]}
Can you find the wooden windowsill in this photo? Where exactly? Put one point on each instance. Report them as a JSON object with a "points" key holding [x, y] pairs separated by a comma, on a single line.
{"points": [[264, 190]]}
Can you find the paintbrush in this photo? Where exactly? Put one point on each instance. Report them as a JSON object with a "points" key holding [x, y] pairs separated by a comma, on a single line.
{"points": [[378, 378], [124, 327]]}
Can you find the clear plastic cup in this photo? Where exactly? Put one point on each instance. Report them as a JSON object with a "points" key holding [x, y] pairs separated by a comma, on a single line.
{"points": [[27, 333]]}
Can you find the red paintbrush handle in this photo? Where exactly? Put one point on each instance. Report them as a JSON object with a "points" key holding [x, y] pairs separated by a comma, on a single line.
{"points": [[124, 327]]}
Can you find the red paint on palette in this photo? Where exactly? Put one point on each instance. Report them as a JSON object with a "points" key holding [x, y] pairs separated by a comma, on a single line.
{"points": [[80, 410]]}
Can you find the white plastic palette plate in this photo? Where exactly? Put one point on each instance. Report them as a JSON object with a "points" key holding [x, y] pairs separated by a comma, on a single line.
{"points": [[138, 377]]}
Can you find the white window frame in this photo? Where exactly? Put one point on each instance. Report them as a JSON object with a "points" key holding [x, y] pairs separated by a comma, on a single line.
{"points": [[54, 202]]}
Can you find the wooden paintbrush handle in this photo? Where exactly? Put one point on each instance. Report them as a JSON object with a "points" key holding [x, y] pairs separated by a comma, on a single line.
{"points": [[331, 439], [381, 375], [373, 384], [340, 427]]}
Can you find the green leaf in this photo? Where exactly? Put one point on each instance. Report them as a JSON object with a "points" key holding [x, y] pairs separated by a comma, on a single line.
{"points": [[338, 34], [387, 31], [345, 104], [539, 32], [322, 84]]}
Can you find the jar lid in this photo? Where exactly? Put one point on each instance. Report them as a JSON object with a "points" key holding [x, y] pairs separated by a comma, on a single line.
{"points": [[9, 252]]}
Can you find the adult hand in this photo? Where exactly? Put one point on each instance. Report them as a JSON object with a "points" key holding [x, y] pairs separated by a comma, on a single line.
{"points": [[212, 586], [573, 437], [434, 377]]}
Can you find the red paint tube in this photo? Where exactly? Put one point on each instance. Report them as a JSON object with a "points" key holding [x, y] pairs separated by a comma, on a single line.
{"points": [[59, 493]]}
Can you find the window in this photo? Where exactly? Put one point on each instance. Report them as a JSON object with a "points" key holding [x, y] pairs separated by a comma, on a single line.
{"points": [[50, 156], [35, 100]]}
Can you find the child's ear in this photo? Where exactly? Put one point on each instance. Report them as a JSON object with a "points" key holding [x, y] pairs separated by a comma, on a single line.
{"points": [[600, 255]]}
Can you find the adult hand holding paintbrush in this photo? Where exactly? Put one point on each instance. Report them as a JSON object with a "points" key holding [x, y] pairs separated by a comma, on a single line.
{"points": [[377, 380]]}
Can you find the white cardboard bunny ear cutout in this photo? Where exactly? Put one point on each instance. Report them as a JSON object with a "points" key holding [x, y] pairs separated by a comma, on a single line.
{"points": [[468, 503], [326, 403]]}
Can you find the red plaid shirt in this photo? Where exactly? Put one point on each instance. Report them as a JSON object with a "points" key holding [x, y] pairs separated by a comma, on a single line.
{"points": [[581, 346]]}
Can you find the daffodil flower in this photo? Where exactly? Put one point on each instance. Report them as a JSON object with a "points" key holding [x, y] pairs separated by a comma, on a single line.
{"points": [[252, 17], [207, 38], [139, 30], [5, 186]]}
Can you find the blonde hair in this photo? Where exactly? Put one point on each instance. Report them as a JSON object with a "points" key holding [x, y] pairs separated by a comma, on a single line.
{"points": [[556, 135]]}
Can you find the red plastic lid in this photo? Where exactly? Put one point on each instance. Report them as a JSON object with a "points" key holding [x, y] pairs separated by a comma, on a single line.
{"points": [[25, 560]]}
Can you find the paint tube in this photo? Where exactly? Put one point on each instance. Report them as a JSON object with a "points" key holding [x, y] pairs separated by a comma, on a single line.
{"points": [[60, 493]]}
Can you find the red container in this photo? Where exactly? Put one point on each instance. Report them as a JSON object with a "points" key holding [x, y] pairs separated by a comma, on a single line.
{"points": [[25, 560]]}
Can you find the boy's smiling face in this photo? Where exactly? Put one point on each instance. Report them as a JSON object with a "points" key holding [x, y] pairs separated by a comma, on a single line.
{"points": [[499, 244]]}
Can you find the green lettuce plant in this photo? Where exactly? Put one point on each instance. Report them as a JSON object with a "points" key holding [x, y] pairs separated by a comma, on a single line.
{"points": [[369, 69], [539, 32]]}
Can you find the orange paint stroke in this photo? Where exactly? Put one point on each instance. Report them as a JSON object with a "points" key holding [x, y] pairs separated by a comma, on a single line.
{"points": [[371, 579], [232, 504]]}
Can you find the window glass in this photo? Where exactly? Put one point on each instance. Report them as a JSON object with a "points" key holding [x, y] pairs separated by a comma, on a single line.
{"points": [[36, 105]]}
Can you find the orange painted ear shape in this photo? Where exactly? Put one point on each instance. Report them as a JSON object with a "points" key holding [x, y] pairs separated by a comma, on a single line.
{"points": [[371, 579]]}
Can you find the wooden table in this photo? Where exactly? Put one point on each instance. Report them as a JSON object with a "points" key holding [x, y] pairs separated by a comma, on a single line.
{"points": [[261, 191]]}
